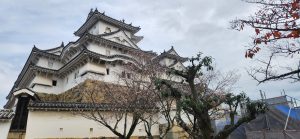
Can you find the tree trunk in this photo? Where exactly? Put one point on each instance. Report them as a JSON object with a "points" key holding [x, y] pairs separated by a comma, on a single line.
{"points": [[205, 126]]}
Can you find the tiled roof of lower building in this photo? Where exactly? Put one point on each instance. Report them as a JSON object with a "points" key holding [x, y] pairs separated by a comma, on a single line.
{"points": [[79, 98], [67, 106], [6, 114], [74, 106]]}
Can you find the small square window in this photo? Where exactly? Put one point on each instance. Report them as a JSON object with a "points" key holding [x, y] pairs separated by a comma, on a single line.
{"points": [[128, 75], [91, 129], [123, 75], [61, 129], [54, 82]]}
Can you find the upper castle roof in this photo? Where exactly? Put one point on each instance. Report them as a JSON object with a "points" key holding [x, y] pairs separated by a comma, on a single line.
{"points": [[95, 16]]}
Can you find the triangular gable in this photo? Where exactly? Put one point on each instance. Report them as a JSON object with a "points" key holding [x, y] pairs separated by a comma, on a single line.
{"points": [[99, 28], [24, 91], [176, 65], [56, 50], [172, 51], [122, 38]]}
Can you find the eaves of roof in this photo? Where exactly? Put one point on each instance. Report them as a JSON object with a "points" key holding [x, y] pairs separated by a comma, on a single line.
{"points": [[77, 106], [6, 114]]}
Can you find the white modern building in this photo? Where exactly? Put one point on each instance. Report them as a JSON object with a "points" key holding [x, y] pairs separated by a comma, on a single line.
{"points": [[103, 43]]}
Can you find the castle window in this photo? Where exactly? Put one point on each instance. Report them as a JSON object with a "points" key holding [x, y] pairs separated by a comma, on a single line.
{"points": [[91, 129], [107, 71], [124, 52], [123, 41], [76, 74], [108, 52], [128, 75], [118, 39], [123, 75], [107, 30], [54, 82], [50, 63], [61, 129]]}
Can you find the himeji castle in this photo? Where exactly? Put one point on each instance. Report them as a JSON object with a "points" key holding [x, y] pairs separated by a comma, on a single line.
{"points": [[103, 44]]}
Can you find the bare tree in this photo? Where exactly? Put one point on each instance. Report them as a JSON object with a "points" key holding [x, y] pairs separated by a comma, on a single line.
{"points": [[122, 105], [276, 27], [199, 100], [146, 71]]}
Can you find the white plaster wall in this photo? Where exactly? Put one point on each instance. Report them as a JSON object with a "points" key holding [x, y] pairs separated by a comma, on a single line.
{"points": [[121, 37], [99, 28], [128, 33], [47, 80], [115, 71], [43, 62], [102, 49], [178, 66], [93, 67], [4, 129], [42, 80], [42, 89], [166, 61], [173, 52], [70, 81], [113, 77], [66, 83], [47, 124]]}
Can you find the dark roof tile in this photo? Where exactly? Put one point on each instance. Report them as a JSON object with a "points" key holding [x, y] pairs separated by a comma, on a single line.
{"points": [[69, 106], [6, 114]]}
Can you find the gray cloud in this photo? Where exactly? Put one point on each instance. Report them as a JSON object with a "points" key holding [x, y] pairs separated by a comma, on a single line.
{"points": [[190, 25]]}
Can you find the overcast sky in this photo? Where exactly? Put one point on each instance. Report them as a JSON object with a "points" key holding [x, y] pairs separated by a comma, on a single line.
{"points": [[190, 26]]}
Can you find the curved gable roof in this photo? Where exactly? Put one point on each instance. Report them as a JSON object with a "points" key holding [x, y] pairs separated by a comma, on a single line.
{"points": [[95, 16], [123, 35]]}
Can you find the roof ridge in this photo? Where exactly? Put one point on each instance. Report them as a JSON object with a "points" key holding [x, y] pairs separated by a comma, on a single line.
{"points": [[95, 16], [122, 21]]}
